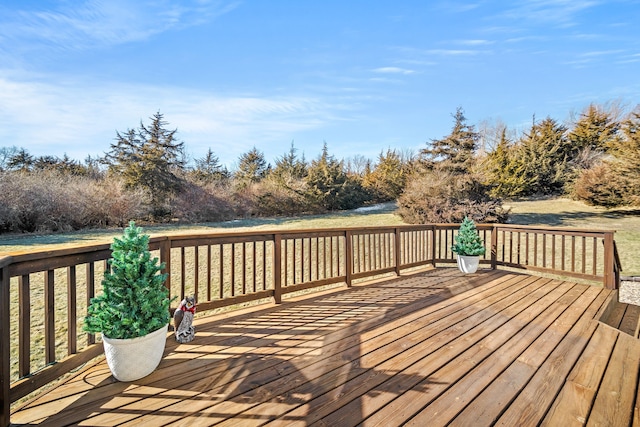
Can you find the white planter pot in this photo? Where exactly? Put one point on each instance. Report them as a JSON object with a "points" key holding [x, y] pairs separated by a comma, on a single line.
{"points": [[468, 264], [134, 358]]}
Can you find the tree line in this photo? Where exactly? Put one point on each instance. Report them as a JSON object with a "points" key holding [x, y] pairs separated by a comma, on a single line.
{"points": [[145, 175]]}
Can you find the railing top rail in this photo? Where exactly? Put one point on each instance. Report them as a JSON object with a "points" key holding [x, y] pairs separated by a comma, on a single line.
{"points": [[457, 225], [551, 229], [21, 256], [155, 240], [5, 261], [25, 256]]}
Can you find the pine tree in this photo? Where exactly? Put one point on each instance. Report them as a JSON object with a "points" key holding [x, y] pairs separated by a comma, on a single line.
{"points": [[596, 130], [455, 152], [289, 169], [503, 171], [209, 169], [448, 188], [149, 158], [543, 157], [388, 178], [21, 160], [468, 241], [627, 159], [330, 187], [134, 301], [252, 168]]}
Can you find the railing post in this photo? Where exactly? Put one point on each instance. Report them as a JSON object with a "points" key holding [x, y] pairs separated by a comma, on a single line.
{"points": [[494, 247], [277, 268], [434, 243], [348, 247], [165, 257], [398, 248], [609, 257], [5, 382]]}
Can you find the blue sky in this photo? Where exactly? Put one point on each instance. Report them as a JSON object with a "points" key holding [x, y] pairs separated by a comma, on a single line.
{"points": [[362, 75]]}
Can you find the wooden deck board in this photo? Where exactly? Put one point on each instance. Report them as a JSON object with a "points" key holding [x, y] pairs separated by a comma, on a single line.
{"points": [[438, 347]]}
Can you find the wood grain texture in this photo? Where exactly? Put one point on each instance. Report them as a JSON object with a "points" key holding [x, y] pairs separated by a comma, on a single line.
{"points": [[432, 348]]}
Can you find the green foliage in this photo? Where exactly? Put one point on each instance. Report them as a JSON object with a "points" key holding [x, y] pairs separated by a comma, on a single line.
{"points": [[329, 187], [388, 178], [252, 168], [209, 169], [149, 158], [627, 156], [616, 181], [135, 301], [543, 155], [455, 152], [447, 189], [20, 160], [595, 130], [468, 241], [503, 172], [549, 158], [289, 169]]}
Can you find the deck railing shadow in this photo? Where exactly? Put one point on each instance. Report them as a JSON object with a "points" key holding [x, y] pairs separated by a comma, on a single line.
{"points": [[44, 295], [240, 356]]}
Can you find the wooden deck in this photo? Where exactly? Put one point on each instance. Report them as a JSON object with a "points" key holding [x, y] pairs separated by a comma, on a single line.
{"points": [[434, 348]]}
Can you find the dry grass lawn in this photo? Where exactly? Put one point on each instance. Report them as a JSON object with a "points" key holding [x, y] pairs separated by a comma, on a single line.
{"points": [[556, 212]]}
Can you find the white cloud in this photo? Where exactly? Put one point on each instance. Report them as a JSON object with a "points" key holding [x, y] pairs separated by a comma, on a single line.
{"points": [[559, 12], [476, 42], [95, 23], [454, 52], [78, 120], [393, 70]]}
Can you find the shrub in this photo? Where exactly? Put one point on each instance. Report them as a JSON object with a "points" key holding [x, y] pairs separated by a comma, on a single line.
{"points": [[202, 203], [273, 199], [46, 201], [446, 198], [600, 186]]}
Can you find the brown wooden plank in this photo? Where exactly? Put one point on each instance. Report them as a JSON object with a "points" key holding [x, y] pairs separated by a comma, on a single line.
{"points": [[474, 343], [5, 334], [524, 386], [573, 404], [183, 374], [49, 315], [342, 358], [25, 386], [615, 315], [366, 355], [72, 337], [636, 410], [391, 357], [533, 402], [629, 322], [438, 375], [614, 403], [459, 395]]}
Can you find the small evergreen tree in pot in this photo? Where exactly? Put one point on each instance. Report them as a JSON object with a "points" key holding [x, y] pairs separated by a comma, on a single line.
{"points": [[132, 313], [135, 301], [469, 246]]}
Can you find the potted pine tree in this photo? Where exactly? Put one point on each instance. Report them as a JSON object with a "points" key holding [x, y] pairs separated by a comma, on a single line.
{"points": [[469, 246], [132, 313]]}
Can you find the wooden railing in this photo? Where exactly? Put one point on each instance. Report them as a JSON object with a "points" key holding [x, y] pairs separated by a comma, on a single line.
{"points": [[44, 295], [585, 254]]}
